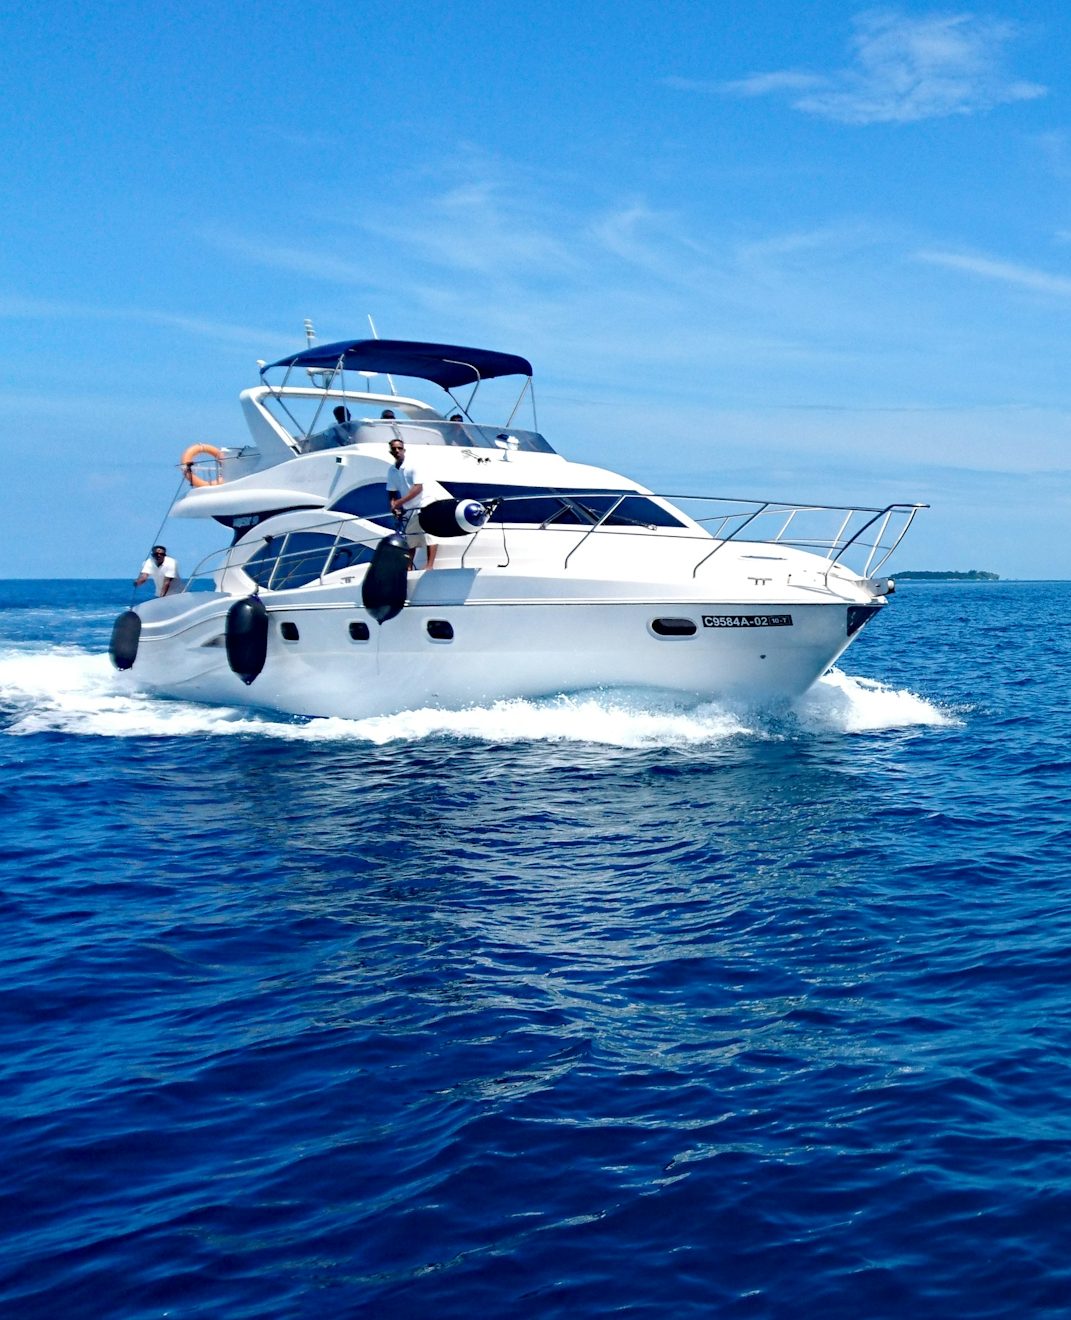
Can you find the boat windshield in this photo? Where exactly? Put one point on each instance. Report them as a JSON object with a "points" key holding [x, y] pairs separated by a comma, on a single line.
{"points": [[317, 421], [421, 429], [544, 506], [529, 506]]}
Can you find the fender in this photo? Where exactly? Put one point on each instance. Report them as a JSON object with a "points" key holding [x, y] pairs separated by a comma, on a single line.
{"points": [[452, 517], [126, 633], [246, 637], [385, 584]]}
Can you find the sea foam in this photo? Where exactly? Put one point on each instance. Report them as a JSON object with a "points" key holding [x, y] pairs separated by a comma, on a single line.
{"points": [[66, 690]]}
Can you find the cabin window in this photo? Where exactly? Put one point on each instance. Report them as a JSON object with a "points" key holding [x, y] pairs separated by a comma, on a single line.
{"points": [[359, 632], [536, 505], [293, 559], [673, 627], [369, 502], [439, 630], [289, 631]]}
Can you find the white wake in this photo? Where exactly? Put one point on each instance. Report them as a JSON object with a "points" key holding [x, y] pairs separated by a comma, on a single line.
{"points": [[841, 703], [67, 690]]}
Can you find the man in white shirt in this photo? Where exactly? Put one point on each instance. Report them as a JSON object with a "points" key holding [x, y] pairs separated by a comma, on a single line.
{"points": [[405, 487], [162, 569]]}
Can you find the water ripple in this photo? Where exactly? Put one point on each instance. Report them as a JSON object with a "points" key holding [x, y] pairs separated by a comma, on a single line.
{"points": [[603, 1003]]}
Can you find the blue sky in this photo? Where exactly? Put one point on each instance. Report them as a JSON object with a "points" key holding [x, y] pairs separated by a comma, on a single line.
{"points": [[817, 252]]}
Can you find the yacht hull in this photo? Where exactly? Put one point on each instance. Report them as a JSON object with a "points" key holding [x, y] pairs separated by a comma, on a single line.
{"points": [[332, 659]]}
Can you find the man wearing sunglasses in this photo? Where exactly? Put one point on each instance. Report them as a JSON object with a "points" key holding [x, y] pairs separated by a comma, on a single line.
{"points": [[162, 569], [405, 488]]}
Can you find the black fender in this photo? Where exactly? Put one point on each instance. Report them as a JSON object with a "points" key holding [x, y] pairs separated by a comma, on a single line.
{"points": [[452, 517], [383, 590], [246, 637], [126, 633]]}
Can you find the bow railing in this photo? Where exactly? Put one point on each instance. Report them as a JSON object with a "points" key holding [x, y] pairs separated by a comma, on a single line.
{"points": [[859, 537]]}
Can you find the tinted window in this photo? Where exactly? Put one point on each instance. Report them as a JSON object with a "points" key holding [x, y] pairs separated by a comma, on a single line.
{"points": [[536, 505], [369, 501], [302, 557]]}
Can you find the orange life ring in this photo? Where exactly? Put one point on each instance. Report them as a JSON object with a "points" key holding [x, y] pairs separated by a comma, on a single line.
{"points": [[198, 451]]}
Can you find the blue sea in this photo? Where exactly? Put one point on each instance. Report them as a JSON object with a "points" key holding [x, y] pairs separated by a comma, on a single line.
{"points": [[598, 1005]]}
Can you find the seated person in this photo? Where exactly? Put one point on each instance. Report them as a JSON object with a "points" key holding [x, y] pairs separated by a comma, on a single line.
{"points": [[456, 433], [341, 415]]}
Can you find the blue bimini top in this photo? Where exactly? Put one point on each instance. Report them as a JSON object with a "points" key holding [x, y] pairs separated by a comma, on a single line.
{"points": [[447, 365]]}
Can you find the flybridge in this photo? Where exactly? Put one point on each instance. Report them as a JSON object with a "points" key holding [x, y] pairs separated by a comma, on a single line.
{"points": [[323, 372]]}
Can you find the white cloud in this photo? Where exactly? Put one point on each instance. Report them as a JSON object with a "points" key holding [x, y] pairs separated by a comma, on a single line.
{"points": [[835, 240], [481, 227], [1055, 152], [758, 84], [1005, 272], [280, 256], [651, 242], [904, 69], [16, 307]]}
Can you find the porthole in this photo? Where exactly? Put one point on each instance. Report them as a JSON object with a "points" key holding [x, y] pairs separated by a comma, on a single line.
{"points": [[439, 630], [359, 632], [673, 627], [289, 631]]}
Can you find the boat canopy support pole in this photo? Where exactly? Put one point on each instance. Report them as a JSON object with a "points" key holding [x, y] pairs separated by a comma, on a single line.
{"points": [[525, 388]]}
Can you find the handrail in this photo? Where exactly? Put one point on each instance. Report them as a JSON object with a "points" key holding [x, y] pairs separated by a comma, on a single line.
{"points": [[831, 546], [224, 560], [594, 528], [724, 539], [891, 523]]}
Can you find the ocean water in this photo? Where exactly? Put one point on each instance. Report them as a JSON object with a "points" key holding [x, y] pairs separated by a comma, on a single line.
{"points": [[590, 1006]]}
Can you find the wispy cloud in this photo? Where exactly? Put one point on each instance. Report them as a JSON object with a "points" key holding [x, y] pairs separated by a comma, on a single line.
{"points": [[832, 241], [299, 260], [1054, 150], [531, 260], [903, 69], [481, 227], [1004, 272], [649, 241], [486, 227], [758, 84], [17, 307]]}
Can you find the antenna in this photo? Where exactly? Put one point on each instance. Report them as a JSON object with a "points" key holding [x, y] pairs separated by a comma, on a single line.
{"points": [[375, 335], [321, 379]]}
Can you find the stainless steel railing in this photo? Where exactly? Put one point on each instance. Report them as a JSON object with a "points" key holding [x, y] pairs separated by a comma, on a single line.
{"points": [[861, 538]]}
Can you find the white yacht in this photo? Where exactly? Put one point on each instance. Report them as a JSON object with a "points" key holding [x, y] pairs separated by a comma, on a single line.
{"points": [[551, 576]]}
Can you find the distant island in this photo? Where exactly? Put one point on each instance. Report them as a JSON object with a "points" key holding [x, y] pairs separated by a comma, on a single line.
{"points": [[972, 575]]}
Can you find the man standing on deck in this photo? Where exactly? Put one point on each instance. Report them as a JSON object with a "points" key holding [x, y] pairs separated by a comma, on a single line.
{"points": [[162, 569], [405, 488]]}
